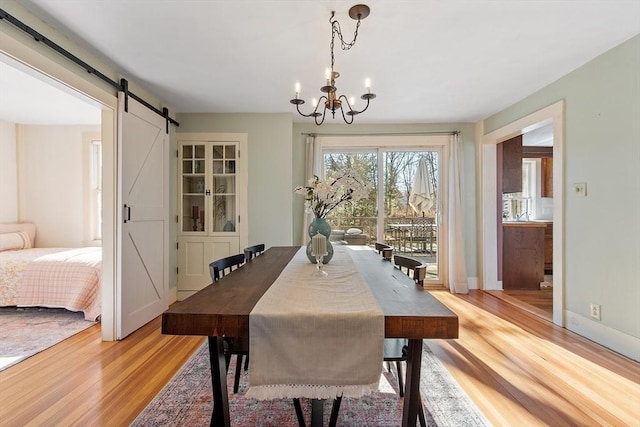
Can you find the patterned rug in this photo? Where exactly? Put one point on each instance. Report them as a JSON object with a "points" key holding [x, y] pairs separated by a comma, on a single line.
{"points": [[27, 331], [186, 401]]}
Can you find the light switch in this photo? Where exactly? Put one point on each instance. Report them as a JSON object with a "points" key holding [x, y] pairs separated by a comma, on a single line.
{"points": [[580, 189]]}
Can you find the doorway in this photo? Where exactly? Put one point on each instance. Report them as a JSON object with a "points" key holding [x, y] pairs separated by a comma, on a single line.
{"points": [[48, 70], [550, 116], [391, 213]]}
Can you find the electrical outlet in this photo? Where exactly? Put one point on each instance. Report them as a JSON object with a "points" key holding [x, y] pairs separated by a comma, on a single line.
{"points": [[595, 311], [580, 189]]}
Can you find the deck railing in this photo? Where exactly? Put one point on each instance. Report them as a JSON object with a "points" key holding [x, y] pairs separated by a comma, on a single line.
{"points": [[406, 234]]}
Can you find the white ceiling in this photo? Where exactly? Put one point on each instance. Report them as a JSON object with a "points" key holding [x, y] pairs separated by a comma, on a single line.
{"points": [[26, 97], [429, 61]]}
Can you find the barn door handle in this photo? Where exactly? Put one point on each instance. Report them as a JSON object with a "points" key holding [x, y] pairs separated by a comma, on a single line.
{"points": [[126, 213], [207, 192]]}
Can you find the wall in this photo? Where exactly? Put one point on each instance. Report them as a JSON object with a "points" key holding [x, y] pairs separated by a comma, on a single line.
{"points": [[269, 139], [469, 140], [8, 173], [602, 230], [50, 182], [276, 167]]}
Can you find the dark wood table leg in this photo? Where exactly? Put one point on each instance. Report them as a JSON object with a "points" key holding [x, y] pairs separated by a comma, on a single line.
{"points": [[317, 412], [412, 401], [220, 414]]}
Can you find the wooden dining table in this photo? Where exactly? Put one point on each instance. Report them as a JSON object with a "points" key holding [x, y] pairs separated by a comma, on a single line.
{"points": [[222, 309]]}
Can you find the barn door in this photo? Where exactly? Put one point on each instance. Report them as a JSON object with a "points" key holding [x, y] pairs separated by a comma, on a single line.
{"points": [[143, 188]]}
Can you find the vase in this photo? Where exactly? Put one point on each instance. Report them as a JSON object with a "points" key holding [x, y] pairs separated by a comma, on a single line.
{"points": [[320, 225]]}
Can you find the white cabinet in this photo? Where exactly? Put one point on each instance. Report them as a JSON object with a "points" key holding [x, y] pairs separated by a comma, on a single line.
{"points": [[212, 208]]}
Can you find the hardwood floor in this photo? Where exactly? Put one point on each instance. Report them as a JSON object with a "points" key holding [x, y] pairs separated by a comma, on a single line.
{"points": [[518, 368], [538, 302]]}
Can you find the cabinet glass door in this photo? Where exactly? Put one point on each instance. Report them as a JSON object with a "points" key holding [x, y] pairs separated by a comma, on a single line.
{"points": [[193, 187], [223, 179]]}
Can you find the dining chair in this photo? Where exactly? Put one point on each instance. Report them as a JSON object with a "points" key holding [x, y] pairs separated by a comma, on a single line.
{"points": [[415, 269], [253, 251], [333, 419], [237, 346], [385, 250], [395, 349], [222, 266]]}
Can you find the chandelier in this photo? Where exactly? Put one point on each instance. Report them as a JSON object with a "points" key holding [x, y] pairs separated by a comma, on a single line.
{"points": [[331, 100]]}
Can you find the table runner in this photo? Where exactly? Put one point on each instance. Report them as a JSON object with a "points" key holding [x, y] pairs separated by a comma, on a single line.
{"points": [[316, 337]]}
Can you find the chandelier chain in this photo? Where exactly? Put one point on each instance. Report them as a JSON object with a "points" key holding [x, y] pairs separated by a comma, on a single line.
{"points": [[335, 29]]}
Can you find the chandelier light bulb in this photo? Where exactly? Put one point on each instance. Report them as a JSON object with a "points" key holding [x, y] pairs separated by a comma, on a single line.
{"points": [[297, 90], [314, 102], [367, 84]]}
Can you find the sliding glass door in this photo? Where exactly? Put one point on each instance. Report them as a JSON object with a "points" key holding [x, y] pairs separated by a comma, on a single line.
{"points": [[411, 206], [404, 207]]}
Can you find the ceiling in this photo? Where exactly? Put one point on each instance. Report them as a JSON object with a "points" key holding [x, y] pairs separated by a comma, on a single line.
{"points": [[429, 61]]}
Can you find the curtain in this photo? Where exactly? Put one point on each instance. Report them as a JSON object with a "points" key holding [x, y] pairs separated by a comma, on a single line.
{"points": [[457, 270], [313, 166]]}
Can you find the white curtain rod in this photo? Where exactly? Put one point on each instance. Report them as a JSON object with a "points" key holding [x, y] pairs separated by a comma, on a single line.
{"points": [[447, 132]]}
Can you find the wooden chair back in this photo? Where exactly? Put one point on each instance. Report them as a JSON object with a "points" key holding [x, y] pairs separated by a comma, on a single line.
{"points": [[253, 251], [218, 268], [415, 268], [385, 250]]}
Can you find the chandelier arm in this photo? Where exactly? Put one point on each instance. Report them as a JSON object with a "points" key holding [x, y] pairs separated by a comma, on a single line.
{"points": [[301, 113], [368, 98], [315, 117], [351, 110], [345, 117], [315, 114]]}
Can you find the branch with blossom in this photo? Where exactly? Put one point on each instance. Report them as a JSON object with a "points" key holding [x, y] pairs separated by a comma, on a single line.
{"points": [[321, 197]]}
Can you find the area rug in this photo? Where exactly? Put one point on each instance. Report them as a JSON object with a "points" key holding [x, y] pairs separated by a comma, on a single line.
{"points": [[186, 401], [27, 331]]}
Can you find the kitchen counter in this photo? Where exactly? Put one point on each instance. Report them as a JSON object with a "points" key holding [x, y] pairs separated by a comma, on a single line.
{"points": [[525, 223], [523, 256]]}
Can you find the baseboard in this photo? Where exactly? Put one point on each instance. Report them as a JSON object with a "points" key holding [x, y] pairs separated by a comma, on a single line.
{"points": [[472, 282], [613, 339]]}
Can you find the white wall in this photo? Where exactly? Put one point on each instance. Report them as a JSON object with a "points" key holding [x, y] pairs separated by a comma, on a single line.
{"points": [[8, 173], [602, 230], [51, 167]]}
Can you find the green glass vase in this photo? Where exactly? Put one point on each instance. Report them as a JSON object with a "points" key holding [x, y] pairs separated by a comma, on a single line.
{"points": [[320, 225]]}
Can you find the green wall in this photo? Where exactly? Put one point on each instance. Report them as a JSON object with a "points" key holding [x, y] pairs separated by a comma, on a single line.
{"points": [[269, 195], [602, 148]]}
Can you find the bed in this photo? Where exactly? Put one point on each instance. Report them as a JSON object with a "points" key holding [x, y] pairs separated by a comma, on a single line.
{"points": [[67, 278]]}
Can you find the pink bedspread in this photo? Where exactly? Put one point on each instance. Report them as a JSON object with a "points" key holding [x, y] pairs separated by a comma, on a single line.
{"points": [[70, 279]]}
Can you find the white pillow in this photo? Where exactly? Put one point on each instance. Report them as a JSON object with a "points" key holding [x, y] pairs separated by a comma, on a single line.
{"points": [[28, 227], [10, 241], [354, 231]]}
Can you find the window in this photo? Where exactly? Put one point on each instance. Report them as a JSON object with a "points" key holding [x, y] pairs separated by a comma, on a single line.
{"points": [[96, 189], [390, 164], [92, 213]]}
